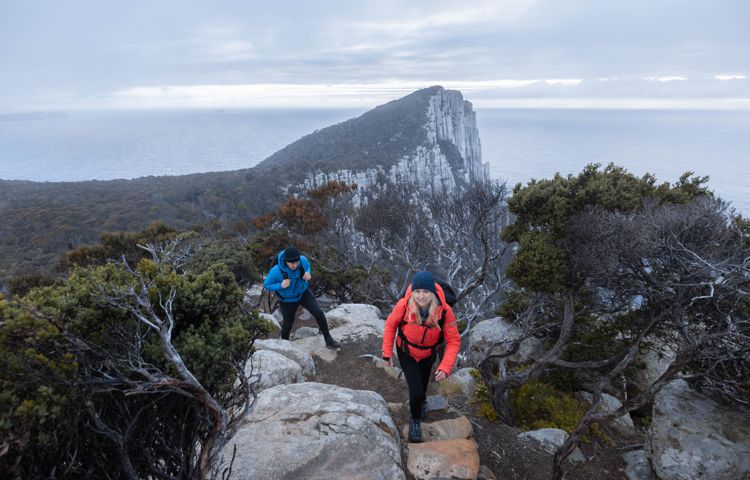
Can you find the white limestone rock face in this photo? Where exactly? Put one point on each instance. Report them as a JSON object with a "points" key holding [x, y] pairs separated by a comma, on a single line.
{"points": [[449, 118], [623, 424], [267, 369], [496, 331], [317, 431], [291, 351], [550, 439], [453, 119], [692, 436]]}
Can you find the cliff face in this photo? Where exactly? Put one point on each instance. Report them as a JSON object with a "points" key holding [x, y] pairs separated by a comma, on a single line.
{"points": [[449, 158]]}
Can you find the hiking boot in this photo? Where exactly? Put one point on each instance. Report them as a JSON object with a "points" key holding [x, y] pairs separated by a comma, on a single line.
{"points": [[332, 344], [415, 430]]}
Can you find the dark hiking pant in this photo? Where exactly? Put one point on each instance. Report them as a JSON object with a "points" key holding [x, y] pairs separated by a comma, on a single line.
{"points": [[417, 375], [288, 310]]}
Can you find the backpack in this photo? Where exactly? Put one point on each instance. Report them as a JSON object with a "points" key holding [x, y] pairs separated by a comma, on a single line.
{"points": [[450, 299]]}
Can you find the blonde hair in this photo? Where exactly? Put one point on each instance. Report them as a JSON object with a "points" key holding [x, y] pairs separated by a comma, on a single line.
{"points": [[432, 308]]}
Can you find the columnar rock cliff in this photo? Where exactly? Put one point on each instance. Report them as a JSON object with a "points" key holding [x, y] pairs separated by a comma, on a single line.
{"points": [[448, 156]]}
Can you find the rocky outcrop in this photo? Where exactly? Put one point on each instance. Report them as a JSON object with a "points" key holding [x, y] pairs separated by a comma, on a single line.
{"points": [[317, 431], [496, 331], [692, 436], [350, 323], [450, 157]]}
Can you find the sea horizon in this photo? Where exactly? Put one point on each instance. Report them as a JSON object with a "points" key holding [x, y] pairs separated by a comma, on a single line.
{"points": [[518, 143]]}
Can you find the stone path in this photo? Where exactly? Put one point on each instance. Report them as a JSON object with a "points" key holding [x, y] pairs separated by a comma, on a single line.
{"points": [[448, 450]]}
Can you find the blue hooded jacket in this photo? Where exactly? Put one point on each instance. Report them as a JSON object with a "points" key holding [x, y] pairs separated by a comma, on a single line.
{"points": [[297, 285]]}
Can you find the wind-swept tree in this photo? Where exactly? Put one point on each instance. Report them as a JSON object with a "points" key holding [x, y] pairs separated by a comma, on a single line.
{"points": [[608, 263], [125, 372]]}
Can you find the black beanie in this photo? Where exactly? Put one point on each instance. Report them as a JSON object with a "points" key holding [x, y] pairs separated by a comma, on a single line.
{"points": [[291, 254], [423, 280]]}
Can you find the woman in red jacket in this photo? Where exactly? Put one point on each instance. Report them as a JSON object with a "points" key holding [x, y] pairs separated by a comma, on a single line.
{"points": [[418, 323]]}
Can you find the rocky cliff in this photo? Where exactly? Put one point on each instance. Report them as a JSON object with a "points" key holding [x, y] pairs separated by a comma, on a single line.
{"points": [[448, 155]]}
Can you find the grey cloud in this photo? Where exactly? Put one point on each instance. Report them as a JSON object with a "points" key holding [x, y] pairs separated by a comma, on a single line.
{"points": [[94, 48]]}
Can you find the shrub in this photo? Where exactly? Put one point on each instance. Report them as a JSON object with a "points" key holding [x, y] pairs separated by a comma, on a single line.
{"points": [[539, 405]]}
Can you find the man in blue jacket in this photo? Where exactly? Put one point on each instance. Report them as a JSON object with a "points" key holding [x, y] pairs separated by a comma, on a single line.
{"points": [[289, 280]]}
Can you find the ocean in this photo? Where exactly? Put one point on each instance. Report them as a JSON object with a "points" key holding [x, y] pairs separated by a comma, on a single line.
{"points": [[519, 144]]}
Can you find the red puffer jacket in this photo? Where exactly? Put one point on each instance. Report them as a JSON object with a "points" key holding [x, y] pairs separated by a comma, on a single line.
{"points": [[424, 335]]}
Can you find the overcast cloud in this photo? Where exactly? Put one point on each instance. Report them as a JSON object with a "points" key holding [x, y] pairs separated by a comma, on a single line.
{"points": [[168, 53]]}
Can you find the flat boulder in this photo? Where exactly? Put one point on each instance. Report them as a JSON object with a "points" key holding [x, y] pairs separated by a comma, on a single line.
{"points": [[692, 436], [291, 351], [359, 313], [316, 431]]}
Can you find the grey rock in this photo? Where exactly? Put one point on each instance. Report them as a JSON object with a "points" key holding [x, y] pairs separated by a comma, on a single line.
{"points": [[304, 315], [305, 332], [316, 346], [550, 439], [653, 363], [623, 424], [692, 436], [292, 352], [461, 383], [267, 369], [357, 313], [317, 431], [436, 403], [496, 331], [271, 319], [253, 295], [352, 332], [638, 467]]}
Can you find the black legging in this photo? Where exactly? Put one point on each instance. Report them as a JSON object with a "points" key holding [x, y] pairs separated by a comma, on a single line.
{"points": [[289, 309], [417, 375]]}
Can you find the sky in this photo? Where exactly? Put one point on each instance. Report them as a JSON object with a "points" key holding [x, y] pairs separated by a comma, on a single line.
{"points": [[100, 54]]}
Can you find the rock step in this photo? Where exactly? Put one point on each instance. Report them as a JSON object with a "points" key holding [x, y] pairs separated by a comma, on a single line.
{"points": [[448, 450], [455, 459]]}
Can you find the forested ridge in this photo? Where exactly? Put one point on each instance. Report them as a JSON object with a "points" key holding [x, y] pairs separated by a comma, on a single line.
{"points": [[43, 220]]}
